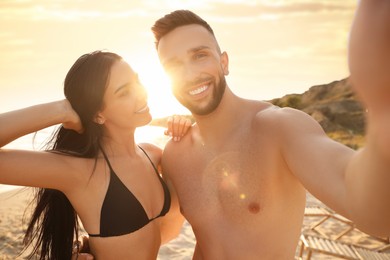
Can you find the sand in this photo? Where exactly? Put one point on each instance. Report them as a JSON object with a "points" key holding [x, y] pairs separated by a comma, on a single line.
{"points": [[12, 227]]}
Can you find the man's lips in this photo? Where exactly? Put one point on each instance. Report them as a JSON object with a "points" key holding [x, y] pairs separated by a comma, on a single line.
{"points": [[198, 90]]}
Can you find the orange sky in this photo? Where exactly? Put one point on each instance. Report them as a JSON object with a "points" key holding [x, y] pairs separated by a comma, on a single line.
{"points": [[276, 47]]}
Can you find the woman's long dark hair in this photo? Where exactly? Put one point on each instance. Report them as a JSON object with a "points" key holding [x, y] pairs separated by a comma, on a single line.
{"points": [[54, 223]]}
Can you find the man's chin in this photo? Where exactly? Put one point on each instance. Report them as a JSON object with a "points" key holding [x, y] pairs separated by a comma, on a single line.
{"points": [[202, 112]]}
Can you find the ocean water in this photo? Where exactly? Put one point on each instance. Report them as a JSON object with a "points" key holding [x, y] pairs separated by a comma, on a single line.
{"points": [[182, 247]]}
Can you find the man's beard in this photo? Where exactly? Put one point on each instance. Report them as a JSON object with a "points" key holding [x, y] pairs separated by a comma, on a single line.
{"points": [[217, 95]]}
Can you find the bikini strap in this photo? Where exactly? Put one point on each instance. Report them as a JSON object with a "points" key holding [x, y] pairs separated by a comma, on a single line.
{"points": [[106, 158], [150, 160], [167, 195]]}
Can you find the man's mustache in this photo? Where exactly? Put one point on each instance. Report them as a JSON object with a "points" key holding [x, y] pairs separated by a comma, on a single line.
{"points": [[197, 81]]}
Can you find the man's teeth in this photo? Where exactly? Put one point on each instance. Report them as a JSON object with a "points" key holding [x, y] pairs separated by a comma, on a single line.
{"points": [[198, 90]]}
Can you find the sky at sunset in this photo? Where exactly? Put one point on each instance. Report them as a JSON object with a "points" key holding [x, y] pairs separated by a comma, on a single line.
{"points": [[275, 47]]}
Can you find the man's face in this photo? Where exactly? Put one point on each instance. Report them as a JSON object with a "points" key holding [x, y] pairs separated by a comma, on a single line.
{"points": [[190, 56]]}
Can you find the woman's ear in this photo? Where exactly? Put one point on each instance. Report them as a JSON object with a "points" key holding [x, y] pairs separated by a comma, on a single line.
{"points": [[99, 119]]}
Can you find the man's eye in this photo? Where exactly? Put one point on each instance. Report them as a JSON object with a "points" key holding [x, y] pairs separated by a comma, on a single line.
{"points": [[172, 65], [200, 55], [170, 69]]}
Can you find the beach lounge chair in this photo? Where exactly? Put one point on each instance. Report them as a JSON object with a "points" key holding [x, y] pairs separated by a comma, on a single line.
{"points": [[313, 244], [316, 211], [324, 214]]}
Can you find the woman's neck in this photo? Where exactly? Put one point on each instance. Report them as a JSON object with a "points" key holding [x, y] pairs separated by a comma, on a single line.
{"points": [[120, 144]]}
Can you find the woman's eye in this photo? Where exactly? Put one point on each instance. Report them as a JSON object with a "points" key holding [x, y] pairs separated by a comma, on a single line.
{"points": [[124, 93]]}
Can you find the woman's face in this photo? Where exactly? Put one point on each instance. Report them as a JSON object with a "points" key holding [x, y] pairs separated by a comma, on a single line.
{"points": [[125, 100]]}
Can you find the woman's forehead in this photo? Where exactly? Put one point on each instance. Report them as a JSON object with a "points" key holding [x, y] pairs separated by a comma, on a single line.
{"points": [[121, 73]]}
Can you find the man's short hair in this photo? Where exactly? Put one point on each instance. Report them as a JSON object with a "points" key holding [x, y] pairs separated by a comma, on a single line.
{"points": [[176, 19]]}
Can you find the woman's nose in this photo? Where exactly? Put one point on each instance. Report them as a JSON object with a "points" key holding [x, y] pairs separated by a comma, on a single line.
{"points": [[142, 94]]}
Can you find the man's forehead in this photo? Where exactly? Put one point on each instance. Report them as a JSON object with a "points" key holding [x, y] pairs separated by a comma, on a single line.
{"points": [[184, 39]]}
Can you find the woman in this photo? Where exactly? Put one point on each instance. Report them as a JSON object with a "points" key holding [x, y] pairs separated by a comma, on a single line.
{"points": [[94, 170]]}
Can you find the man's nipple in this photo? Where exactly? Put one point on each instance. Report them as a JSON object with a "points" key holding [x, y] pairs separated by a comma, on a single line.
{"points": [[254, 207]]}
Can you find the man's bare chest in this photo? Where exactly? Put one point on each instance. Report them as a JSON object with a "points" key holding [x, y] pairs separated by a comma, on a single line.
{"points": [[233, 181]]}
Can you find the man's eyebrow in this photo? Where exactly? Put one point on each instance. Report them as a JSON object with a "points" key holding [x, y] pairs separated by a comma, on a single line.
{"points": [[199, 48], [192, 50]]}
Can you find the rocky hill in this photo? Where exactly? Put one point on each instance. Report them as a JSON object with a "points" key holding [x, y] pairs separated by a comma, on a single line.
{"points": [[333, 105]]}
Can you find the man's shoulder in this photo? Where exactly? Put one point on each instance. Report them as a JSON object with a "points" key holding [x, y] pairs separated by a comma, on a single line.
{"points": [[175, 152], [266, 108], [280, 122], [177, 146], [269, 111], [276, 117]]}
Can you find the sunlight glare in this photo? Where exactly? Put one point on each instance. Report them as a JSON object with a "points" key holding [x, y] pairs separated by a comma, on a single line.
{"points": [[160, 99]]}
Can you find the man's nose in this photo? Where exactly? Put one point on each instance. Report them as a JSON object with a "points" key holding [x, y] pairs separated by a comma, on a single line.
{"points": [[189, 72]]}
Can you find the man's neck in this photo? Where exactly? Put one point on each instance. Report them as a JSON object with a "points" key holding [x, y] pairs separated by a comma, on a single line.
{"points": [[215, 127]]}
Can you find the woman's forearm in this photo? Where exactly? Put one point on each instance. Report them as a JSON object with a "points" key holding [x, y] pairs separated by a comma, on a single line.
{"points": [[17, 123]]}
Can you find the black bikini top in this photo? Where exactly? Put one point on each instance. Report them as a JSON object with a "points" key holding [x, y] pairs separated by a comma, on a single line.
{"points": [[121, 211]]}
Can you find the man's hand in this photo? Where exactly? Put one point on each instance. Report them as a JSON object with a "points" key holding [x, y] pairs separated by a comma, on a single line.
{"points": [[369, 54], [81, 250], [82, 256]]}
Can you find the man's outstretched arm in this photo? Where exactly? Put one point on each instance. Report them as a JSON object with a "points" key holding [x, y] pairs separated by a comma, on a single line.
{"points": [[368, 174]]}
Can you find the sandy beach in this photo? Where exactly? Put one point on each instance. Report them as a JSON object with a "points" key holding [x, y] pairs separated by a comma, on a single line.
{"points": [[13, 205]]}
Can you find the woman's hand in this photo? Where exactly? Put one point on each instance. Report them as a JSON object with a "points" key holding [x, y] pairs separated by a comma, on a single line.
{"points": [[178, 126], [72, 120], [17, 123]]}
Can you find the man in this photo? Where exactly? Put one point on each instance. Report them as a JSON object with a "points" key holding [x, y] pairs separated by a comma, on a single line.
{"points": [[242, 171]]}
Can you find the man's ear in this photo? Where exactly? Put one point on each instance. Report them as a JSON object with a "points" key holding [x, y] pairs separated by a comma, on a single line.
{"points": [[99, 119], [225, 63]]}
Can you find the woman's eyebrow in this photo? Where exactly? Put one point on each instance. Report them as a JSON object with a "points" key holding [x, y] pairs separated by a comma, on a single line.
{"points": [[121, 87]]}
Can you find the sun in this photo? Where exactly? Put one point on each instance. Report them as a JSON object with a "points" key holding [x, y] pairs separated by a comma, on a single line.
{"points": [[160, 99]]}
